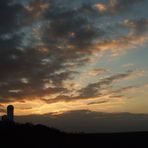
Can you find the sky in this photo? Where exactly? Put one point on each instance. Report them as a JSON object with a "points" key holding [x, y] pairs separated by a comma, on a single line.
{"points": [[60, 57]]}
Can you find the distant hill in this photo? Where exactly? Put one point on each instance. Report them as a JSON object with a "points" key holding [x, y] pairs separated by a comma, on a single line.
{"points": [[29, 135]]}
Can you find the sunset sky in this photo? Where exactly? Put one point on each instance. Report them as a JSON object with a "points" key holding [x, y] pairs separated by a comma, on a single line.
{"points": [[58, 56]]}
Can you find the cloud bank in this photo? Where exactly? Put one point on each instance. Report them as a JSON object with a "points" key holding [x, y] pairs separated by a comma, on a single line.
{"points": [[75, 121]]}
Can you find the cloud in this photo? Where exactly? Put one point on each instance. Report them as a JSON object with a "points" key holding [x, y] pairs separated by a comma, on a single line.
{"points": [[39, 63], [138, 26], [10, 16], [125, 89], [91, 91], [128, 65], [123, 4], [36, 9], [114, 6], [63, 27], [75, 121], [125, 42], [97, 71], [102, 7], [41, 41], [2, 109], [94, 89], [101, 89], [97, 102]]}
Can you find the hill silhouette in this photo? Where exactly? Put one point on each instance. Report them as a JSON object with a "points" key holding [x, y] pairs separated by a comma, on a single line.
{"points": [[29, 135]]}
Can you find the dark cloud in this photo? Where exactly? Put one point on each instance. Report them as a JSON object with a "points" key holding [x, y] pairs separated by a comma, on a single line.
{"points": [[92, 90], [74, 27], [138, 26], [123, 4], [41, 63], [12, 16], [97, 102], [41, 40], [75, 121], [117, 6], [125, 89]]}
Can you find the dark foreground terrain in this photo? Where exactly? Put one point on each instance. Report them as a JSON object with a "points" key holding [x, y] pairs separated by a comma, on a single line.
{"points": [[27, 135]]}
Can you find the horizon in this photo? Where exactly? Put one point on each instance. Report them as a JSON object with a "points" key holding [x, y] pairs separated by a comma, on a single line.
{"points": [[75, 121], [60, 58]]}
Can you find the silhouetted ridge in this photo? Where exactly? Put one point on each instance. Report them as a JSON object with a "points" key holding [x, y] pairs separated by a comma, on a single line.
{"points": [[28, 135], [27, 127]]}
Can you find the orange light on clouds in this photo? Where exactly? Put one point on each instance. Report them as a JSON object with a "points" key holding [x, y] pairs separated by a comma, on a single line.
{"points": [[37, 6], [43, 50], [126, 42], [35, 9], [101, 7]]}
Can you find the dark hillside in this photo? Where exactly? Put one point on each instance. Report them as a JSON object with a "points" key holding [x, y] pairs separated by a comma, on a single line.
{"points": [[28, 135]]}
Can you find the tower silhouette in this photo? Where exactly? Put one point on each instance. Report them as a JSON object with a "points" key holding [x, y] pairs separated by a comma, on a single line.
{"points": [[10, 113]]}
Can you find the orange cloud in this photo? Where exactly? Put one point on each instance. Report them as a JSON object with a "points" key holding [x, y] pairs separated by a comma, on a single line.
{"points": [[97, 71], [122, 44], [101, 7], [114, 6], [36, 8]]}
